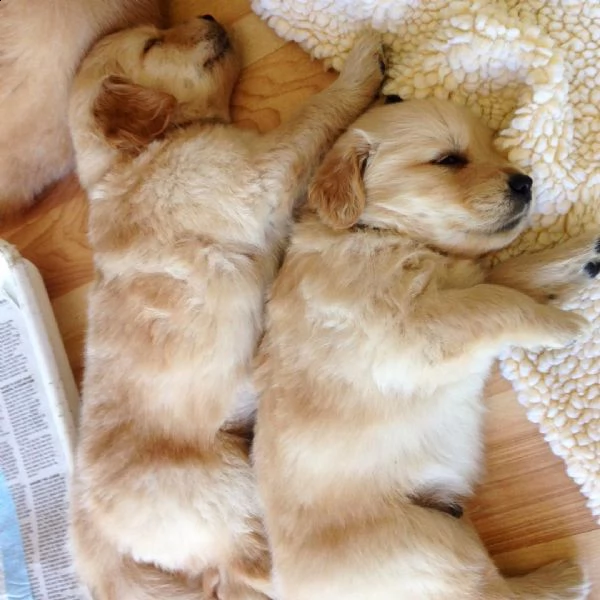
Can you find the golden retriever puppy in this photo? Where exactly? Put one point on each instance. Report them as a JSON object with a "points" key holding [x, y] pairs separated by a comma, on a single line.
{"points": [[381, 328], [188, 216], [41, 45]]}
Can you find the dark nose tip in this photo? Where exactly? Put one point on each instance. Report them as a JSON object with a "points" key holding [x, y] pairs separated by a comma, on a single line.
{"points": [[207, 17], [520, 186]]}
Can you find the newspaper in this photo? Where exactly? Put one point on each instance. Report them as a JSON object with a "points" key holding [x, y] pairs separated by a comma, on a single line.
{"points": [[36, 441]]}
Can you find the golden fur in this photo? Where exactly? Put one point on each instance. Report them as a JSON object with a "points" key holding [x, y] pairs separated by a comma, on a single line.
{"points": [[41, 44], [188, 216], [381, 328]]}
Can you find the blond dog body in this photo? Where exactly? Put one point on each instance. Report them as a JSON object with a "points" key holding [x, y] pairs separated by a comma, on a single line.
{"points": [[188, 216], [41, 45], [382, 327]]}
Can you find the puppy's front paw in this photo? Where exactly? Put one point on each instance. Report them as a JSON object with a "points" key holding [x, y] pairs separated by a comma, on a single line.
{"points": [[562, 327], [365, 66]]}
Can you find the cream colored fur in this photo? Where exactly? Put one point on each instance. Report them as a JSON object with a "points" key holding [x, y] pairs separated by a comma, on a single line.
{"points": [[188, 216], [41, 45], [382, 327]]}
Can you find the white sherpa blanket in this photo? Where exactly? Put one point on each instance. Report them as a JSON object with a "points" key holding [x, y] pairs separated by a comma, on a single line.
{"points": [[530, 68]]}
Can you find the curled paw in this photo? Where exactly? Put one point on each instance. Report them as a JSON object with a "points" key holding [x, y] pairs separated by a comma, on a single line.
{"points": [[366, 64]]}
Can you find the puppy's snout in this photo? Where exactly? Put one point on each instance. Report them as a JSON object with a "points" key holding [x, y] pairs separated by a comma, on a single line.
{"points": [[213, 26], [520, 188], [216, 30]]}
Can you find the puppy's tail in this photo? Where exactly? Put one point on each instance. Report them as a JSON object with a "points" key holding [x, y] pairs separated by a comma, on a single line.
{"points": [[562, 580]]}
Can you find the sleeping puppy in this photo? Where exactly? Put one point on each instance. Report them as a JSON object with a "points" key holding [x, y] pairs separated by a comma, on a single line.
{"points": [[41, 45], [188, 216], [381, 329]]}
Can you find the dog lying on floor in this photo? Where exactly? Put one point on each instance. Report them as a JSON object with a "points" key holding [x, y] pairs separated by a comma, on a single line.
{"points": [[41, 45], [188, 217], [381, 328]]}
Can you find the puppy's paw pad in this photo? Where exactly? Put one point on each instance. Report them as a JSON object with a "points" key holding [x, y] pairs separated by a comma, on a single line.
{"points": [[592, 268], [393, 99]]}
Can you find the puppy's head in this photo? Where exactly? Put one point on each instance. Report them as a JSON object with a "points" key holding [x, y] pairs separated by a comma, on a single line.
{"points": [[140, 81], [429, 169]]}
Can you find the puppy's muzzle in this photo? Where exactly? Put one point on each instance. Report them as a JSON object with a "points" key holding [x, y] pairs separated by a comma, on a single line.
{"points": [[518, 194], [217, 35]]}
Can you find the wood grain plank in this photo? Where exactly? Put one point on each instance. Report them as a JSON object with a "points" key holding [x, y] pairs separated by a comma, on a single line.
{"points": [[253, 42], [71, 315], [272, 90], [526, 497]]}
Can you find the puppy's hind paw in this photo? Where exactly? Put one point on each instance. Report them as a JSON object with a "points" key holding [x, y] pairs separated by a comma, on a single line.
{"points": [[365, 66], [562, 580]]}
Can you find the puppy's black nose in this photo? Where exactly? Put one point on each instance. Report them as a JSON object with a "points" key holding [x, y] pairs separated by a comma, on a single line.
{"points": [[520, 186], [520, 183], [207, 17]]}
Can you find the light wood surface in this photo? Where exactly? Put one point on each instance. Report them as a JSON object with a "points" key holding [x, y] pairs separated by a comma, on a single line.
{"points": [[527, 510]]}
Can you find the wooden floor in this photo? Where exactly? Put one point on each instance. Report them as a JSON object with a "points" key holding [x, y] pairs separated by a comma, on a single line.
{"points": [[527, 510]]}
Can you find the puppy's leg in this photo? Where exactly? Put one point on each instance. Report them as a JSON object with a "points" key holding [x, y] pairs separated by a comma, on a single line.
{"points": [[111, 575], [214, 529], [488, 318], [249, 572], [552, 274], [296, 148]]}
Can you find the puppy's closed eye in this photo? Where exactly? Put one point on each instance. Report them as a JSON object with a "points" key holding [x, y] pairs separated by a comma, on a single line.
{"points": [[150, 44], [451, 160]]}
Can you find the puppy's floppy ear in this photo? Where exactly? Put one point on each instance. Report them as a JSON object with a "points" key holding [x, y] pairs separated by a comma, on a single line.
{"points": [[337, 192], [130, 115]]}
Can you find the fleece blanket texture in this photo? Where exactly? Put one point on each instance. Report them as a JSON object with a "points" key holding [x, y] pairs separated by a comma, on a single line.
{"points": [[530, 69]]}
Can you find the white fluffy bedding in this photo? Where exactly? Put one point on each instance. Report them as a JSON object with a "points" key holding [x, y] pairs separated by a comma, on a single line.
{"points": [[530, 68]]}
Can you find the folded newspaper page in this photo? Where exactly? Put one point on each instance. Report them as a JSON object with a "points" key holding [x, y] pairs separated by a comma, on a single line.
{"points": [[38, 398]]}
